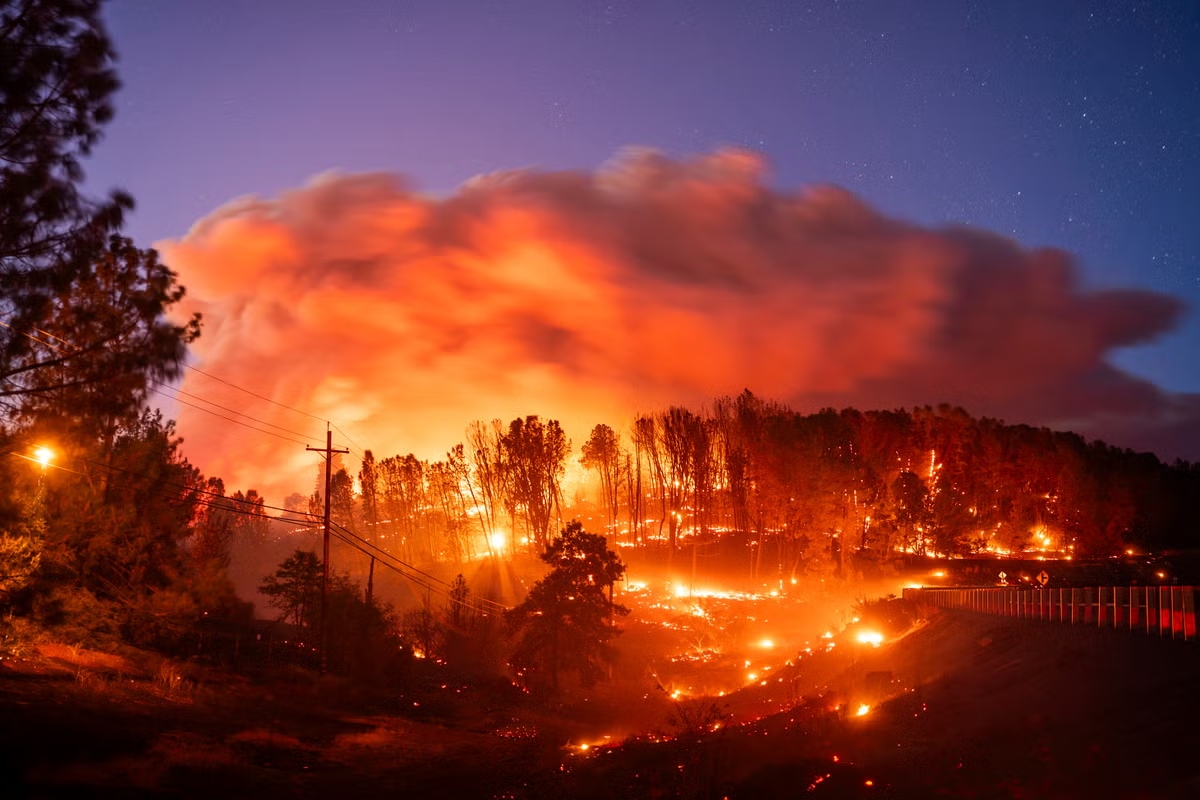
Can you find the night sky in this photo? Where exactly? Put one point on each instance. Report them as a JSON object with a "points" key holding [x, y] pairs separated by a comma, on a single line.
{"points": [[1051, 124]]}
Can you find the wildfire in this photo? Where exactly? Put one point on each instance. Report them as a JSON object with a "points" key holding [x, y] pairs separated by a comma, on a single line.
{"points": [[863, 710], [873, 638]]}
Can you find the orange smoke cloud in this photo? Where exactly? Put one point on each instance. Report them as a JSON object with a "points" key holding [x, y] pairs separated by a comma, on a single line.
{"points": [[589, 296]]}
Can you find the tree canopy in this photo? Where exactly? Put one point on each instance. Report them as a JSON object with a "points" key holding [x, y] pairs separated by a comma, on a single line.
{"points": [[118, 524], [566, 623], [79, 304]]}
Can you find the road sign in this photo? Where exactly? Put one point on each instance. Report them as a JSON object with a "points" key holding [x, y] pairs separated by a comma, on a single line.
{"points": [[1043, 578], [1003, 578]]}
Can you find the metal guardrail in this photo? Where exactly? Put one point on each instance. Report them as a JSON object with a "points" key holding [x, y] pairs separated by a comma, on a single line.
{"points": [[1166, 611]]}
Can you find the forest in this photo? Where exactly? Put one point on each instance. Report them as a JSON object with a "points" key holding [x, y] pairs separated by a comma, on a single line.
{"points": [[794, 492]]}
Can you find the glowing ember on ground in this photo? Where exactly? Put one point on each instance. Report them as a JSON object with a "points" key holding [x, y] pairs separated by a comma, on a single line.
{"points": [[717, 637]]}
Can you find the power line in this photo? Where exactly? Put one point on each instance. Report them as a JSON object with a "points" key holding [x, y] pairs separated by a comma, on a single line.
{"points": [[183, 487], [253, 394], [403, 568], [342, 533], [66, 347], [232, 411], [361, 453], [443, 588], [426, 580]]}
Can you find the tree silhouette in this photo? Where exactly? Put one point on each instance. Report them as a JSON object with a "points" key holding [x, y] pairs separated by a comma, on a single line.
{"points": [[602, 452], [534, 458], [295, 588], [80, 305], [566, 621]]}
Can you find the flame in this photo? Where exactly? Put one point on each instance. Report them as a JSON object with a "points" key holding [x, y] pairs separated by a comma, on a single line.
{"points": [[873, 638], [862, 711]]}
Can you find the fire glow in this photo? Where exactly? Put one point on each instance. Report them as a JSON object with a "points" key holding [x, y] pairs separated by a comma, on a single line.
{"points": [[589, 301], [723, 640], [873, 638]]}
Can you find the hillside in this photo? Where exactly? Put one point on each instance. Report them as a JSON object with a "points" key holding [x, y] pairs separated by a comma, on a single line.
{"points": [[961, 706]]}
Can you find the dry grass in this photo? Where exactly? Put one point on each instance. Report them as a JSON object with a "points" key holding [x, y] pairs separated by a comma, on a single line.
{"points": [[264, 737], [171, 683], [180, 748], [92, 683], [388, 735], [118, 677]]}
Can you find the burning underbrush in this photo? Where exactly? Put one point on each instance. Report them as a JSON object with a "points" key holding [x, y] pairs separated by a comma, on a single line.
{"points": [[697, 640], [886, 705], [899, 705]]}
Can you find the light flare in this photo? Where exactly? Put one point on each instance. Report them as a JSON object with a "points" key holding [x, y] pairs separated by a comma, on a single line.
{"points": [[873, 638]]}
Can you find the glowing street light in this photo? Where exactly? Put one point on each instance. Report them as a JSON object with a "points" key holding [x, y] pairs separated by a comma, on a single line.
{"points": [[43, 456]]}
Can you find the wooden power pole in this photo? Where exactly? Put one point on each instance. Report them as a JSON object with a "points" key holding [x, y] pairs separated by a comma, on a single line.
{"points": [[328, 451]]}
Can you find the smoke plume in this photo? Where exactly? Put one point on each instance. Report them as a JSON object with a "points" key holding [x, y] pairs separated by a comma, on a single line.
{"points": [[590, 296]]}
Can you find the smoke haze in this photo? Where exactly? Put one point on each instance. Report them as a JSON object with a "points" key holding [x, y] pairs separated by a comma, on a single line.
{"points": [[590, 296]]}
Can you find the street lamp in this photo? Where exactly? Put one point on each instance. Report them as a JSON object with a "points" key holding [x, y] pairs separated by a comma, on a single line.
{"points": [[43, 456]]}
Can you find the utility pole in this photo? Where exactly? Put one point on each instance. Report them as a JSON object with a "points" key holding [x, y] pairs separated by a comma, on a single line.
{"points": [[328, 451]]}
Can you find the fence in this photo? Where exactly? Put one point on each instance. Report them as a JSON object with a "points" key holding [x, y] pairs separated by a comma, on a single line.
{"points": [[1167, 611]]}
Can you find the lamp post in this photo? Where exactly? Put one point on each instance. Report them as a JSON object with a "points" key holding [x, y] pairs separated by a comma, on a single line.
{"points": [[43, 456]]}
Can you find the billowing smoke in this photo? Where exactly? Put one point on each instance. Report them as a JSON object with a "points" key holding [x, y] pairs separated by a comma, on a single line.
{"points": [[587, 297]]}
